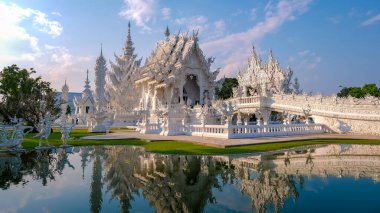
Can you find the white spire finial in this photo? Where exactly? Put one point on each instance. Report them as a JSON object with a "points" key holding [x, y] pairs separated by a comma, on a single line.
{"points": [[101, 49], [167, 32], [128, 47]]}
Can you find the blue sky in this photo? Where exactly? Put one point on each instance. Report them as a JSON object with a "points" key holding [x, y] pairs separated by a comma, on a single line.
{"points": [[327, 43]]}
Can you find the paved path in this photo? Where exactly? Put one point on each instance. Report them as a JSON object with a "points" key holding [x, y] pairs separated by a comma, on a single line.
{"points": [[218, 142]]}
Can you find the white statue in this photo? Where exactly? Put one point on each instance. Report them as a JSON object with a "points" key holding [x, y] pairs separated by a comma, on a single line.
{"points": [[65, 131], [45, 126], [13, 142]]}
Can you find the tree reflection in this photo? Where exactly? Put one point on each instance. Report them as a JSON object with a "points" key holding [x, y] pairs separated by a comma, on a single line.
{"points": [[96, 197], [62, 160], [10, 166], [84, 153], [44, 167]]}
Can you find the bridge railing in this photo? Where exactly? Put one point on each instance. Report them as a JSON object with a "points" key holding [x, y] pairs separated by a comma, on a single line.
{"points": [[248, 100], [248, 131], [216, 131], [252, 131], [150, 128]]}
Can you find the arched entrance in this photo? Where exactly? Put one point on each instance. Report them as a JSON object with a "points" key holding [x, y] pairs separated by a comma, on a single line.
{"points": [[191, 90]]}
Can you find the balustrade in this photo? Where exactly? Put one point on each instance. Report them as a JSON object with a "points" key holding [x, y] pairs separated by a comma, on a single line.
{"points": [[251, 131]]}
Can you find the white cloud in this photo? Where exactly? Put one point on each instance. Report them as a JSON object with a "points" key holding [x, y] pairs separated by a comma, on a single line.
{"points": [[305, 60], [56, 13], [234, 49], [139, 11], [57, 64], [166, 13], [237, 12], [193, 23], [54, 63], [335, 19], [220, 25], [313, 64], [14, 33], [253, 14], [303, 53], [371, 21], [43, 24], [217, 31]]}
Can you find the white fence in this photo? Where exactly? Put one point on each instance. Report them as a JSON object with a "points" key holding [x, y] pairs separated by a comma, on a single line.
{"points": [[150, 128], [252, 131], [216, 131]]}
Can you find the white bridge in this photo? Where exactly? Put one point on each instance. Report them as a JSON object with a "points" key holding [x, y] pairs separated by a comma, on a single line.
{"points": [[316, 115], [342, 115]]}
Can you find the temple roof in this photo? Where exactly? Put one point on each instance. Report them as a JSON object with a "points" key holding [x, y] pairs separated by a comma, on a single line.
{"points": [[265, 76], [171, 54], [65, 88], [86, 94]]}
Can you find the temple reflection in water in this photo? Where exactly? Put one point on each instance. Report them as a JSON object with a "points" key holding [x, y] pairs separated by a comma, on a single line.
{"points": [[178, 183]]}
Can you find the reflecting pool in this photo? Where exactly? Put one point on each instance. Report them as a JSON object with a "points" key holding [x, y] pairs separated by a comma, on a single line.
{"points": [[332, 178]]}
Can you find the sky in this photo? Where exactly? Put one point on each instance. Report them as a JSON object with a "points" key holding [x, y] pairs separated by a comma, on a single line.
{"points": [[328, 44]]}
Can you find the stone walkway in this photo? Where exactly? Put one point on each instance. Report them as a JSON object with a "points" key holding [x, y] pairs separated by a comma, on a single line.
{"points": [[218, 142]]}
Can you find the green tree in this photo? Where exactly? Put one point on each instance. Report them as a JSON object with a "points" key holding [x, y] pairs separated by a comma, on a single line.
{"points": [[68, 110], [356, 92], [344, 92], [371, 89], [225, 91], [24, 96]]}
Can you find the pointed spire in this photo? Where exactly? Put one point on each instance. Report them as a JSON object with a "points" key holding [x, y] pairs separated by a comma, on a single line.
{"points": [[167, 32], [87, 82], [100, 81], [65, 88], [255, 57], [129, 49], [271, 61], [101, 49], [87, 88]]}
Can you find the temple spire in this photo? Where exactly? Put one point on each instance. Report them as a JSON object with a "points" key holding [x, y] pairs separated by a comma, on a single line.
{"points": [[167, 32], [87, 83], [255, 57], [271, 61], [65, 87], [129, 49], [100, 81], [101, 49]]}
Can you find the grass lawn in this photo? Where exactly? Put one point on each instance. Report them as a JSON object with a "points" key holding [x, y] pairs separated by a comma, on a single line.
{"points": [[176, 147]]}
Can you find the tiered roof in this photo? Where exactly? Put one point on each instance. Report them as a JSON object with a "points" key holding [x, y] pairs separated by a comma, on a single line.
{"points": [[264, 77], [171, 55], [121, 77], [86, 94], [100, 81]]}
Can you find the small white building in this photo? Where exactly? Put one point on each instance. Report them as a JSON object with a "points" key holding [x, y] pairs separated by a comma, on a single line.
{"points": [[84, 105]]}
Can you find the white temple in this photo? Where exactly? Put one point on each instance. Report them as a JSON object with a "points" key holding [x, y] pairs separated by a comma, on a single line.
{"points": [[120, 78], [84, 105], [172, 93]]}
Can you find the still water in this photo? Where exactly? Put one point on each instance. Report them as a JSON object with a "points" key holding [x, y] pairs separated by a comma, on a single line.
{"points": [[333, 178]]}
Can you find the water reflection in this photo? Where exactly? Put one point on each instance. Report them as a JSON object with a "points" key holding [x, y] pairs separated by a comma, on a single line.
{"points": [[126, 176]]}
